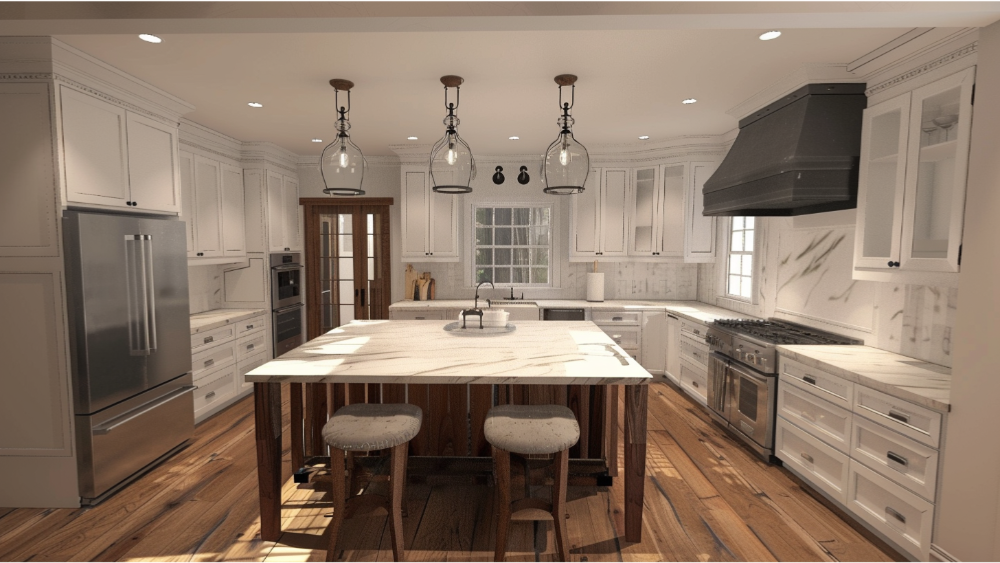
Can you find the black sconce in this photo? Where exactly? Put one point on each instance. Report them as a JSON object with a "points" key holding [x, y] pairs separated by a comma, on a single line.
{"points": [[523, 177], [498, 176]]}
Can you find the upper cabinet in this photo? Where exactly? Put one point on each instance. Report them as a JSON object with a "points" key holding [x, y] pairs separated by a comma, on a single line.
{"points": [[273, 200], [116, 158], [213, 207], [911, 194], [429, 220], [650, 213]]}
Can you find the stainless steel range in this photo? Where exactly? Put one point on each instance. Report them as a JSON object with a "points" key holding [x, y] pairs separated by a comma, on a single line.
{"points": [[743, 374]]}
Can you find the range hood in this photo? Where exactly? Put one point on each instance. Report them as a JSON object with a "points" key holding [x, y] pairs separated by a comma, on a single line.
{"points": [[798, 155]]}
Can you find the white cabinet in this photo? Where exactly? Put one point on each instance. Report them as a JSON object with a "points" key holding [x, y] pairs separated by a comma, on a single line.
{"points": [[221, 359], [600, 218], [207, 207], [212, 205], [699, 231], [283, 224], [113, 157], [292, 223], [430, 220], [656, 211], [673, 352], [911, 193], [233, 212]]}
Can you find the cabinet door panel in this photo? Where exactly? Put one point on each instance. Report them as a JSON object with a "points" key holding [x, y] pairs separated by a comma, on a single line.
{"points": [[233, 212], [442, 222], [881, 183], [152, 164], [415, 215], [672, 211], [290, 193], [654, 342], [94, 150], [586, 217], [644, 214], [937, 166], [700, 239], [208, 203], [275, 213], [188, 204], [673, 353], [614, 203]]}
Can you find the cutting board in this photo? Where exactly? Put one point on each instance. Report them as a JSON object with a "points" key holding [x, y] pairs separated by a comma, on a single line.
{"points": [[409, 283]]}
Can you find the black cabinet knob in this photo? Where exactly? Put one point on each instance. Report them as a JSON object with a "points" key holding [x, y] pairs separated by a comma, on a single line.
{"points": [[890, 263]]}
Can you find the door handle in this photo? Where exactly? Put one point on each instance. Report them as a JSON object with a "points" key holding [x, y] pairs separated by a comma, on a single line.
{"points": [[905, 419], [362, 297], [897, 458], [132, 415], [809, 380]]}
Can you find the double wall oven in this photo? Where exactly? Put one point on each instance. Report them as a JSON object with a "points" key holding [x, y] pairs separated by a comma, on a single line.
{"points": [[286, 301], [743, 374]]}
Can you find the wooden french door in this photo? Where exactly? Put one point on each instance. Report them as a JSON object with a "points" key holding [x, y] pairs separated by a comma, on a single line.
{"points": [[347, 261]]}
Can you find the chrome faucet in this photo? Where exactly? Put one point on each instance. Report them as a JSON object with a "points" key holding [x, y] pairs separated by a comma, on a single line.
{"points": [[476, 305]]}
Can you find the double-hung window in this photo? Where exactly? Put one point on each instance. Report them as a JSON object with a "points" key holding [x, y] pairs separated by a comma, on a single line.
{"points": [[739, 279], [513, 245]]}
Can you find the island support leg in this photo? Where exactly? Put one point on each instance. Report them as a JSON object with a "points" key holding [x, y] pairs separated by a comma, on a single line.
{"points": [[636, 397], [267, 431]]}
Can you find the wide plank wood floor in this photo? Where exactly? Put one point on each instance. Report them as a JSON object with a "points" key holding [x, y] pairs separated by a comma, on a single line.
{"points": [[707, 499]]}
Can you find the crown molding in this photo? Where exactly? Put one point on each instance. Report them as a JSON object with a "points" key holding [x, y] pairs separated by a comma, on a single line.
{"points": [[208, 140], [955, 55]]}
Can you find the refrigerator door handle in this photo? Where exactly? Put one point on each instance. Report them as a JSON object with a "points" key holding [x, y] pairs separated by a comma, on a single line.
{"points": [[136, 302], [116, 422], [147, 262]]}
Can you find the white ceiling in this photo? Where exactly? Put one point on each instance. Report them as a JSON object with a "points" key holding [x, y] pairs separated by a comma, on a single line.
{"points": [[631, 83]]}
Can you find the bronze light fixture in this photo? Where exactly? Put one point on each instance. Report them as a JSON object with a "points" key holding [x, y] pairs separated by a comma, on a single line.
{"points": [[566, 163], [342, 165], [452, 167]]}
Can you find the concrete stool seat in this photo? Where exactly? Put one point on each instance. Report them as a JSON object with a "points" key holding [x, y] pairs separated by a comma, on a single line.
{"points": [[531, 430], [362, 428]]}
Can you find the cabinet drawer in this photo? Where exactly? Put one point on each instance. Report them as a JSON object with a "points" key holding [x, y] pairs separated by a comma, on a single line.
{"points": [[211, 358], [693, 330], [694, 352], [627, 337], [216, 387], [212, 337], [825, 385], [251, 344], [249, 364], [694, 380], [919, 423], [900, 515], [822, 419], [818, 463], [413, 315], [896, 457], [251, 324], [616, 318]]}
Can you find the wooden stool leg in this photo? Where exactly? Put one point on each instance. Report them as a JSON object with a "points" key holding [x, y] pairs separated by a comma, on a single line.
{"points": [[501, 466], [397, 480], [406, 460], [559, 503], [339, 495]]}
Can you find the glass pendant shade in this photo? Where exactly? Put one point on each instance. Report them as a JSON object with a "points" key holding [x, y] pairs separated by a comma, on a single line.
{"points": [[452, 167], [342, 165], [566, 164]]}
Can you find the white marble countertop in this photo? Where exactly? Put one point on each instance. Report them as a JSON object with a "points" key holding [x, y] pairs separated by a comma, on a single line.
{"points": [[694, 310], [208, 320], [537, 352], [907, 378]]}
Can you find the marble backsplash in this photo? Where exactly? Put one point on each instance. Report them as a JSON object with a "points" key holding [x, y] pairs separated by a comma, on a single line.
{"points": [[204, 288]]}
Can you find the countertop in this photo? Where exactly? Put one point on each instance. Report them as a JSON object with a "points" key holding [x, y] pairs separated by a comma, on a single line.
{"points": [[907, 378], [693, 310], [208, 320], [537, 352]]}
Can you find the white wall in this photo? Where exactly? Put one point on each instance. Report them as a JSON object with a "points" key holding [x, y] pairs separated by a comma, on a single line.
{"points": [[968, 526]]}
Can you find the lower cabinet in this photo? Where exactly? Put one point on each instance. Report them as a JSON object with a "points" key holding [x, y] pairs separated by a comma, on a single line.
{"points": [[221, 359], [903, 517], [821, 465], [694, 381]]}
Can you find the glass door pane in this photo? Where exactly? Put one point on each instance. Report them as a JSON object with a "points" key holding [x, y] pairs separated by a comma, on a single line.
{"points": [[644, 214], [375, 283], [336, 275], [880, 199], [935, 174]]}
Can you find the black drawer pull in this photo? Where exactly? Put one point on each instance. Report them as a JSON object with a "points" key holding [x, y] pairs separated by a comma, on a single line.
{"points": [[905, 419], [895, 514], [616, 319], [209, 362], [897, 458], [694, 384], [209, 339], [250, 346], [809, 380], [249, 327]]}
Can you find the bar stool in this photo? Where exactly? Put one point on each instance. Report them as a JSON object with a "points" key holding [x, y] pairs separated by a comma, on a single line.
{"points": [[531, 430], [364, 428]]}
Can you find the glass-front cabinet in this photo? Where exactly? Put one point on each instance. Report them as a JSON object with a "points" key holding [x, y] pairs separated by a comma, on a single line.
{"points": [[914, 163], [656, 209]]}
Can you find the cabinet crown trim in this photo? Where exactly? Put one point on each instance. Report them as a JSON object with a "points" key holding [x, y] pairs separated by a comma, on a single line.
{"points": [[955, 55]]}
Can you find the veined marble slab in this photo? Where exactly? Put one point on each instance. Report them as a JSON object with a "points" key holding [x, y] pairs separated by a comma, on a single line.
{"points": [[907, 378], [537, 352], [208, 320], [693, 310]]}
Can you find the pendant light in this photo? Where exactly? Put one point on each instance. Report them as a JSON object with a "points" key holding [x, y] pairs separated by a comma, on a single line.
{"points": [[342, 165], [567, 163], [452, 167]]}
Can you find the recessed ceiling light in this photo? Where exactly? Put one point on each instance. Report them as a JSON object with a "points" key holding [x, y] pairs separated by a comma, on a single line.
{"points": [[514, 138], [769, 35], [689, 101], [150, 38], [643, 137], [317, 140], [411, 138], [255, 104]]}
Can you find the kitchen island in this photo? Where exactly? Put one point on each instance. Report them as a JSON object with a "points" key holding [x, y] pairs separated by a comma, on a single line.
{"points": [[396, 353]]}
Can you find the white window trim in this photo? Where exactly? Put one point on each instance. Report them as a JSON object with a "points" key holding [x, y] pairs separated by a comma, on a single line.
{"points": [[468, 242], [722, 276]]}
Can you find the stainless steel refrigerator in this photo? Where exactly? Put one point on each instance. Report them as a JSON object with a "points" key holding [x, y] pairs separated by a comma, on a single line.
{"points": [[130, 341]]}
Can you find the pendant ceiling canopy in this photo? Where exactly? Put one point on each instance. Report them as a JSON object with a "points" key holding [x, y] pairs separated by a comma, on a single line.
{"points": [[567, 163], [452, 167], [342, 165]]}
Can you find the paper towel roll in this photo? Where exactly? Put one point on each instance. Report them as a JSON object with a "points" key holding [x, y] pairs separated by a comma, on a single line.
{"points": [[595, 287]]}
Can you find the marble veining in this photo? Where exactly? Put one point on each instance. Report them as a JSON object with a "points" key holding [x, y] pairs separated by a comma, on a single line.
{"points": [[907, 378], [208, 320], [538, 352]]}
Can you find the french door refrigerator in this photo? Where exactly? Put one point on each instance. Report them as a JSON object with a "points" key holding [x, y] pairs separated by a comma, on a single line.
{"points": [[130, 341]]}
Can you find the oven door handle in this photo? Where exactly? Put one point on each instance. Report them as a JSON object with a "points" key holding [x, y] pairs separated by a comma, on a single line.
{"points": [[287, 267], [288, 308]]}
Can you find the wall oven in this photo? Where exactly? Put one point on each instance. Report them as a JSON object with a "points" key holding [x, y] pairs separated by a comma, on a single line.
{"points": [[286, 302]]}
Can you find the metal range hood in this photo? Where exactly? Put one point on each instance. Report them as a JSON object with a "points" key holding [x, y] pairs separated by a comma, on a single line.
{"points": [[796, 156]]}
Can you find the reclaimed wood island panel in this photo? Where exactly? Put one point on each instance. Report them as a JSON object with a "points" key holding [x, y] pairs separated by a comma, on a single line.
{"points": [[548, 360]]}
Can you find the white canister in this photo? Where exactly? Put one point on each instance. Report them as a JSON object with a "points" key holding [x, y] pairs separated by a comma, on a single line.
{"points": [[595, 287]]}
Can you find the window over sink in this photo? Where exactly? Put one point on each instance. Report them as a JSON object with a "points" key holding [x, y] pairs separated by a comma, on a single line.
{"points": [[513, 245]]}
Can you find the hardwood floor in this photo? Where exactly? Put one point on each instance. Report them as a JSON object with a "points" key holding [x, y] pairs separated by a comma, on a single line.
{"points": [[707, 499]]}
